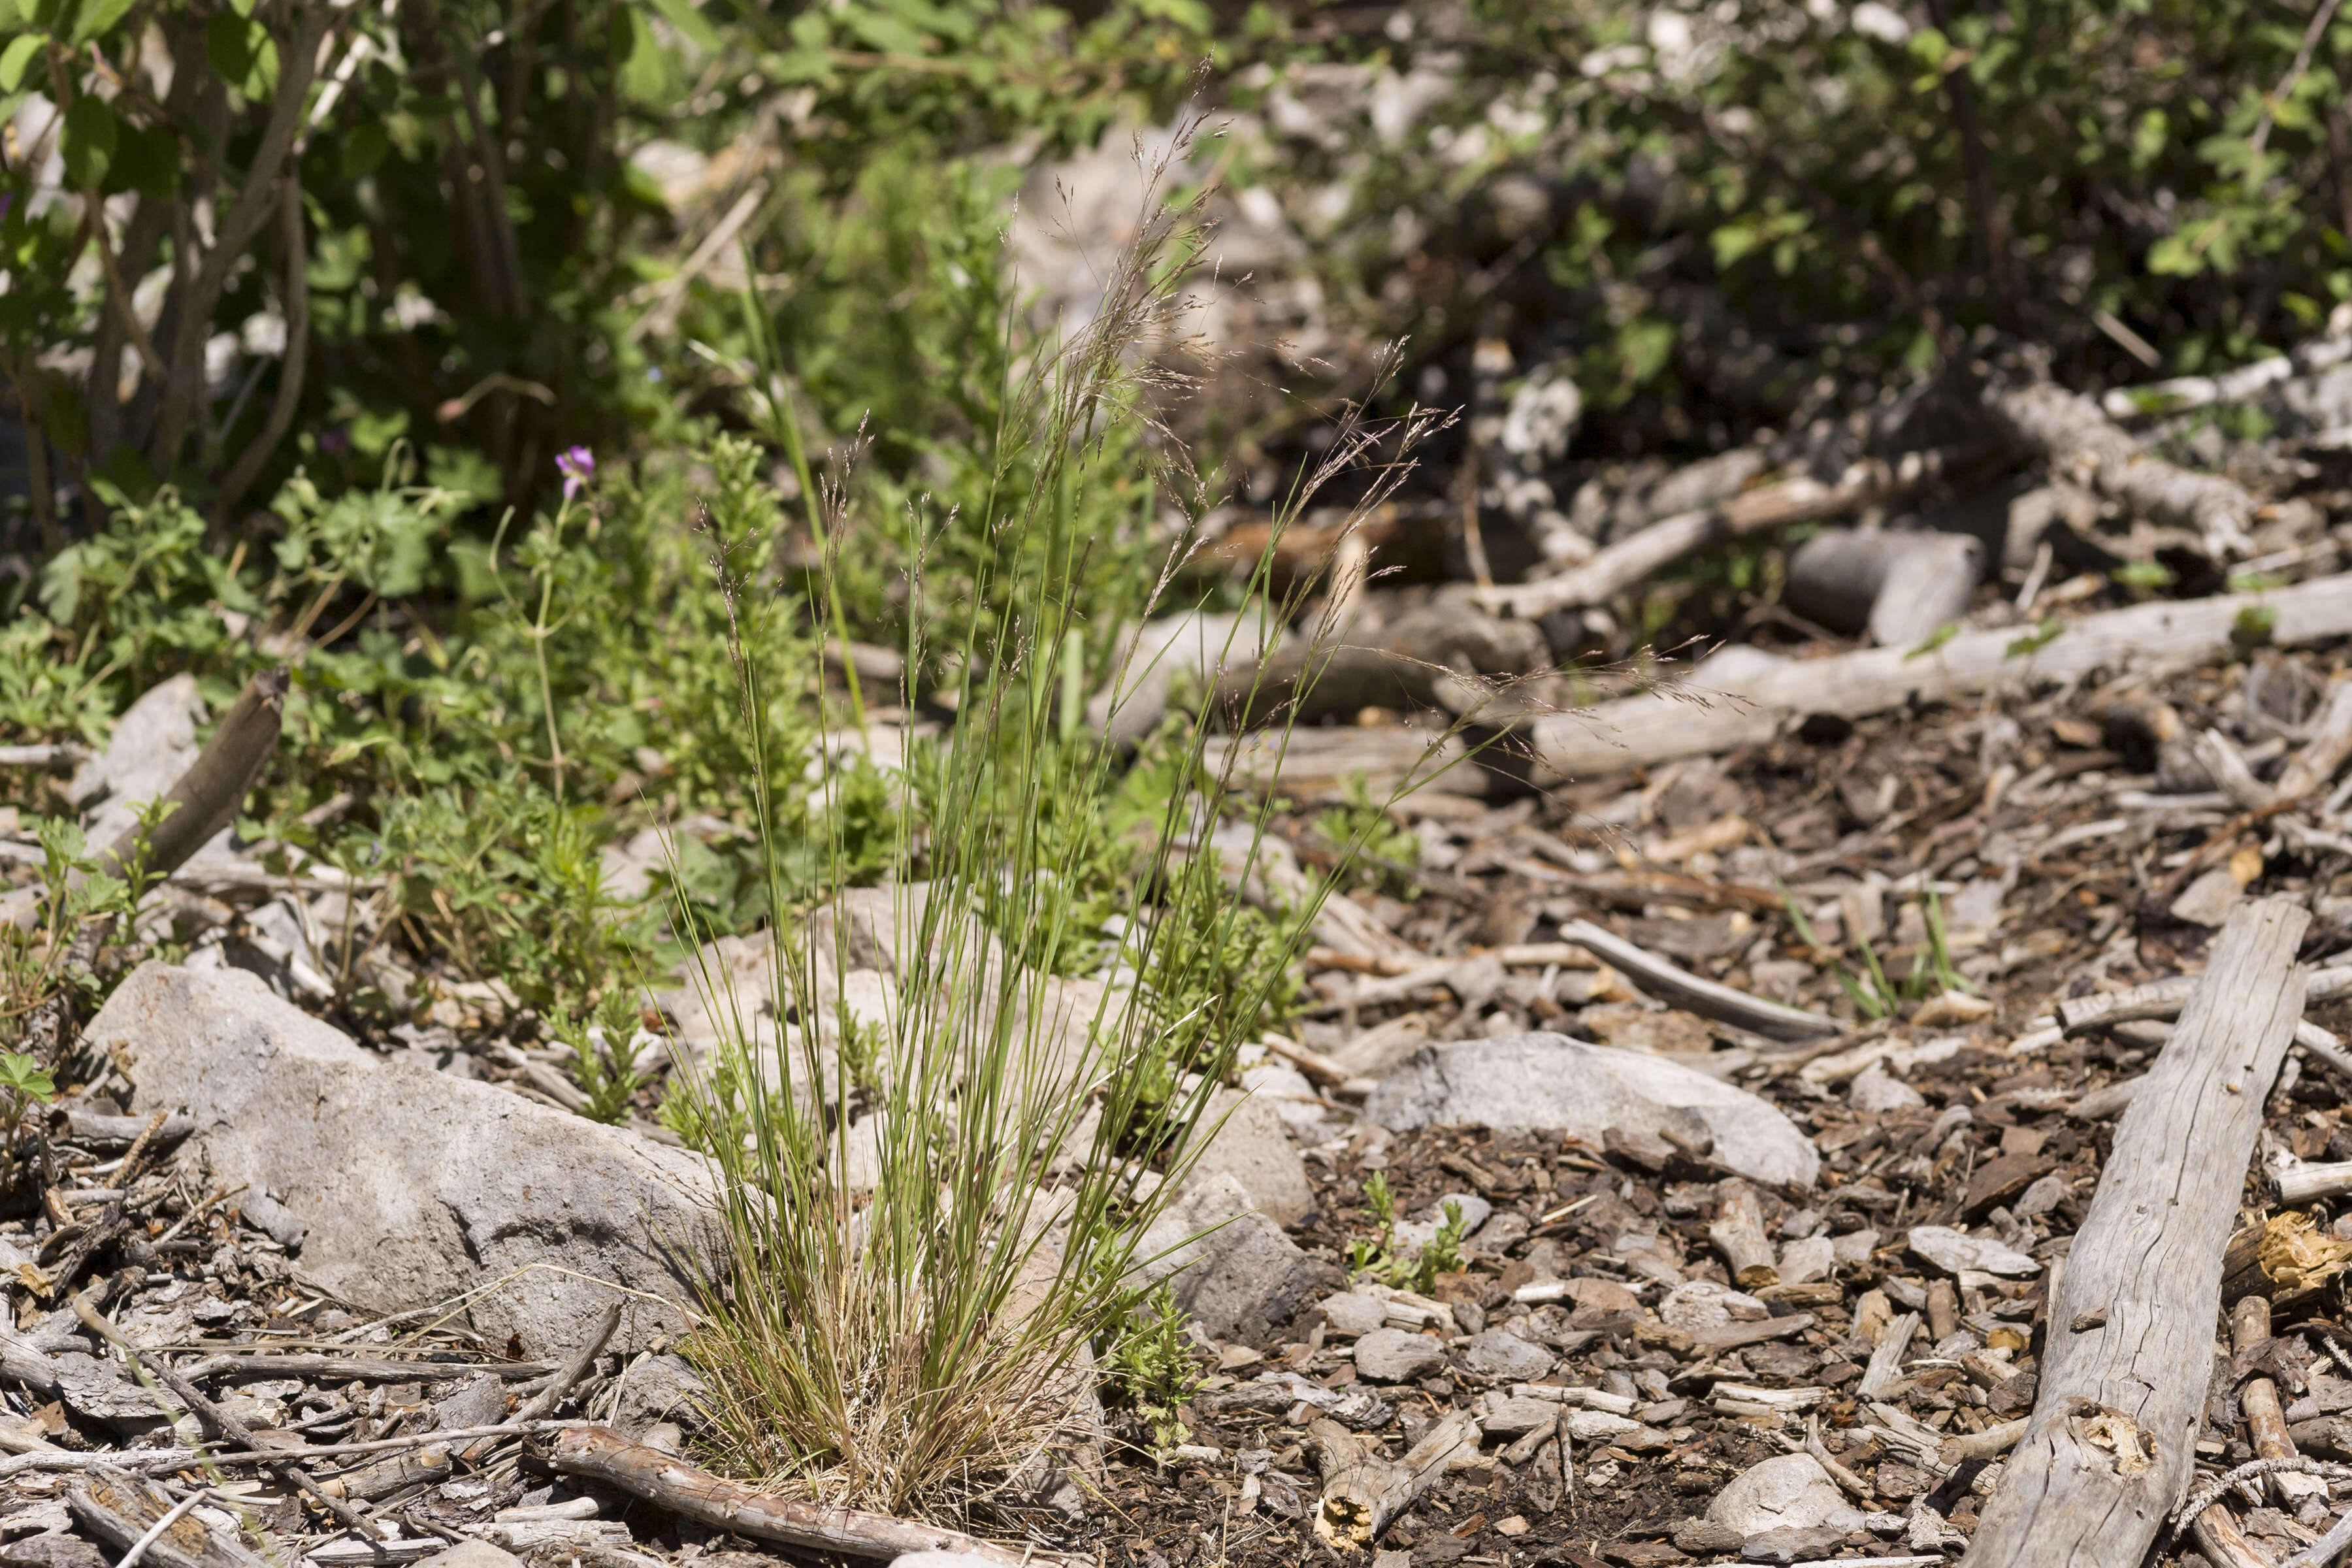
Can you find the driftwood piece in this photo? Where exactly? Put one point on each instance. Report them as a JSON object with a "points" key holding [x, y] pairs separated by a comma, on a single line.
{"points": [[1803, 498], [1363, 1490], [1898, 587], [2111, 1442], [1738, 1233], [1887, 1359], [2305, 1496], [120, 1509], [1673, 983], [388, 1476], [2297, 1184], [2223, 1544], [1320, 761], [2072, 433], [1440, 656], [2329, 749], [668, 1481], [2153, 399], [1749, 709]]}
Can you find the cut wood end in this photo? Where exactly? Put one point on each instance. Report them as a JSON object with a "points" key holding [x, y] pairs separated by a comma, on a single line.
{"points": [[2283, 1256]]}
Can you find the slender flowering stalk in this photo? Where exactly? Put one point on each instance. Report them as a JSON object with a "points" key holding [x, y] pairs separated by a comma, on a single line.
{"points": [[578, 467]]}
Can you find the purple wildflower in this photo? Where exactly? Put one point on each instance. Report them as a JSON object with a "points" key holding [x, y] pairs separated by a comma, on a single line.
{"points": [[578, 467]]}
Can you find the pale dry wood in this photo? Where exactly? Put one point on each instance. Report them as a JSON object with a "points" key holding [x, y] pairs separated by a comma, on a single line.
{"points": [[2072, 433], [2113, 1434], [57, 757], [1700, 719], [1670, 983], [1738, 1232], [388, 1476], [120, 1509], [1363, 1489], [2311, 769], [1885, 1363], [1799, 500], [2223, 1544], [2160, 397], [1391, 758], [2250, 1324], [1991, 1443], [2297, 1185], [668, 1481]]}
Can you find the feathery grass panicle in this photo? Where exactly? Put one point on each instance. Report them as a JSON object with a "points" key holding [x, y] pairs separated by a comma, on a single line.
{"points": [[934, 1204]]}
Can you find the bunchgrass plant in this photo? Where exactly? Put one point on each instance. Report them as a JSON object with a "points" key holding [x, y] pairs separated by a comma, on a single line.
{"points": [[945, 1168]]}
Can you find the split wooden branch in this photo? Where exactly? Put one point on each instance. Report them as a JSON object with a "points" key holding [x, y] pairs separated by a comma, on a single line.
{"points": [[2070, 432], [668, 1481], [1706, 718], [1706, 998], [2113, 1437], [1738, 1233], [1363, 1490], [2305, 1496], [1800, 499]]}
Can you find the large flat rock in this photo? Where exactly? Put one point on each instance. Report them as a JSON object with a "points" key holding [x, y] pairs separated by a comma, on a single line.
{"points": [[1549, 1083], [417, 1186]]}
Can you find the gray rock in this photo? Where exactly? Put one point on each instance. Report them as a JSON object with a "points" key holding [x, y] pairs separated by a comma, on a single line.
{"points": [[1854, 1247], [1952, 1251], [1393, 1356], [1791, 1492], [1252, 1146], [1549, 1083], [482, 1400], [1233, 1270], [1502, 1355], [417, 1186], [1417, 1233], [1787, 1545], [1352, 1315], [472, 1555], [273, 1219], [1878, 1091], [657, 1389]]}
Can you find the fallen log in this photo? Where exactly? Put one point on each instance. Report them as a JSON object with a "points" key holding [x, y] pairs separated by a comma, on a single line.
{"points": [[2111, 1442], [1704, 718], [2070, 432], [1363, 1490], [1803, 498], [601, 1453]]}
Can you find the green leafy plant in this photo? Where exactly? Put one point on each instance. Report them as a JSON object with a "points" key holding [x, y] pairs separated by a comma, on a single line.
{"points": [[605, 1056], [2049, 631], [1149, 1370], [1383, 1259], [1382, 850], [24, 1083]]}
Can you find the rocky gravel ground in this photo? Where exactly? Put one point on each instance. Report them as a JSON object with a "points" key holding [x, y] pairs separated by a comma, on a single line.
{"points": [[1716, 1296]]}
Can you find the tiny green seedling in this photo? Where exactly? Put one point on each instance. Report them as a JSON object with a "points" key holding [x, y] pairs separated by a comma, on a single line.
{"points": [[1936, 639], [2035, 641]]}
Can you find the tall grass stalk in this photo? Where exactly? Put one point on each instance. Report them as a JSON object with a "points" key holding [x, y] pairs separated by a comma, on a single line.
{"points": [[925, 1237]]}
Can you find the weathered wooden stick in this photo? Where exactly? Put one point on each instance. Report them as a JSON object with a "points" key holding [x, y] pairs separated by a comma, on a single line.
{"points": [[1737, 1233], [2070, 432], [2113, 1438], [601, 1453], [1704, 997], [2329, 748], [388, 1476], [2250, 1324], [1751, 708], [1887, 1359], [1362, 1491], [1667, 540], [2218, 1537], [350, 1369], [57, 757], [121, 1509], [2301, 1184]]}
